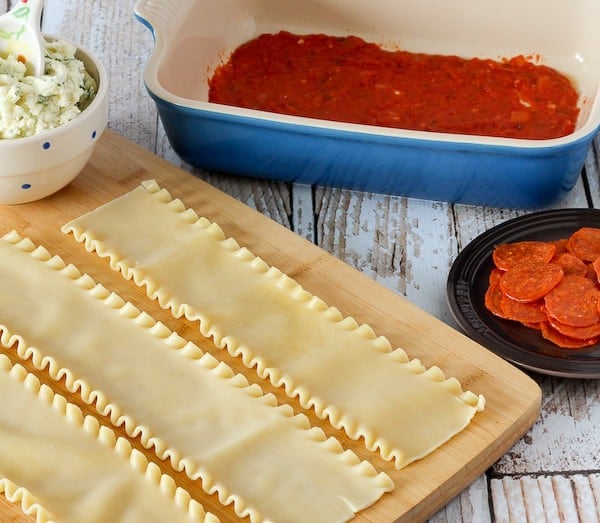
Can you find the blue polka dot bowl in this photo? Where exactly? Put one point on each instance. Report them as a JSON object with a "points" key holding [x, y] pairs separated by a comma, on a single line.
{"points": [[37, 166]]}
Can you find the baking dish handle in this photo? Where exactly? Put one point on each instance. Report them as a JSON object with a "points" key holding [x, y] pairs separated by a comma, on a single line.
{"points": [[159, 16]]}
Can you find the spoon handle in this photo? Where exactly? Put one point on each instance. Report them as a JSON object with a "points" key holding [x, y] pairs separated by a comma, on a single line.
{"points": [[20, 35], [35, 38]]}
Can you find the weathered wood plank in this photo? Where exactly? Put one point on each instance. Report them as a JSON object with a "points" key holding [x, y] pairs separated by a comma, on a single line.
{"points": [[539, 499], [592, 167], [303, 212], [566, 437], [404, 244], [470, 506]]}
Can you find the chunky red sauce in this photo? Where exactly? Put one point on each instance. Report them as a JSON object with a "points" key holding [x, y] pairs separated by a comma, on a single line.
{"points": [[347, 79]]}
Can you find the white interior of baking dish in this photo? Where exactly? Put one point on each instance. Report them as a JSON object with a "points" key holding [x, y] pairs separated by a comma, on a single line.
{"points": [[561, 34]]}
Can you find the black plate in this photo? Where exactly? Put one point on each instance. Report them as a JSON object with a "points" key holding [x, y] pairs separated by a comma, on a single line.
{"points": [[468, 281]]}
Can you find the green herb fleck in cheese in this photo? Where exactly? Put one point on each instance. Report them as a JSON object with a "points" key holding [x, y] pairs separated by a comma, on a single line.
{"points": [[30, 105]]}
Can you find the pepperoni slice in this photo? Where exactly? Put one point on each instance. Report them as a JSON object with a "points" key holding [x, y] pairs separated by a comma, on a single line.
{"points": [[574, 302], [566, 342], [578, 333], [530, 281], [495, 275], [530, 312], [507, 255], [492, 299], [536, 326], [585, 243], [561, 245], [570, 264]]}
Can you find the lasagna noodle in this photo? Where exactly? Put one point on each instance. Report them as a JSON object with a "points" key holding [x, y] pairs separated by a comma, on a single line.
{"points": [[193, 410], [341, 369], [62, 466]]}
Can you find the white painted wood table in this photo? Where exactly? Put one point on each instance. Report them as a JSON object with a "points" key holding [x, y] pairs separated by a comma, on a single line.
{"points": [[551, 474]]}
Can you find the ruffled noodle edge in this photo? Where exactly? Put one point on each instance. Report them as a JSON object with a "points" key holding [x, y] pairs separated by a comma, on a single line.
{"points": [[339, 420], [92, 427], [196, 356], [30, 506]]}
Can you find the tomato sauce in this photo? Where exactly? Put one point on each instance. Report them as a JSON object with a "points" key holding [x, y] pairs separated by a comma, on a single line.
{"points": [[349, 80]]}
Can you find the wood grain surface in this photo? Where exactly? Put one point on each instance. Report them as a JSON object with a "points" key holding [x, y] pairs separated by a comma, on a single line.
{"points": [[552, 473], [513, 399]]}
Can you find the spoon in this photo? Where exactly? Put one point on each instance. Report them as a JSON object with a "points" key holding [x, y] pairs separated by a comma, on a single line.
{"points": [[20, 35]]}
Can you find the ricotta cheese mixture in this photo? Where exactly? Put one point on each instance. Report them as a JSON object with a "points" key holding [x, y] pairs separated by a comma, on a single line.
{"points": [[30, 105]]}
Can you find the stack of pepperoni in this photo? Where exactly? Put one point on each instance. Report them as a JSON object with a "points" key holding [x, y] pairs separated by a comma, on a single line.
{"points": [[550, 286]]}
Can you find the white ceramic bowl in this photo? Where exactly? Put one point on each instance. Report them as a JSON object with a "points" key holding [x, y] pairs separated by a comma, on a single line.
{"points": [[37, 166]]}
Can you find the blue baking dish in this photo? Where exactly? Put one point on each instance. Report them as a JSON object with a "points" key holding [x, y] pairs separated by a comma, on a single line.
{"points": [[192, 37]]}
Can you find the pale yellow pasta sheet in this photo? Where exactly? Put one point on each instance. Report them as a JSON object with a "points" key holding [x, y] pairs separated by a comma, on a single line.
{"points": [[344, 371]]}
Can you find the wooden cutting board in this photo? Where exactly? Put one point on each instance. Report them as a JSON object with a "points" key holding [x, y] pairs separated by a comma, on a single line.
{"points": [[513, 399]]}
